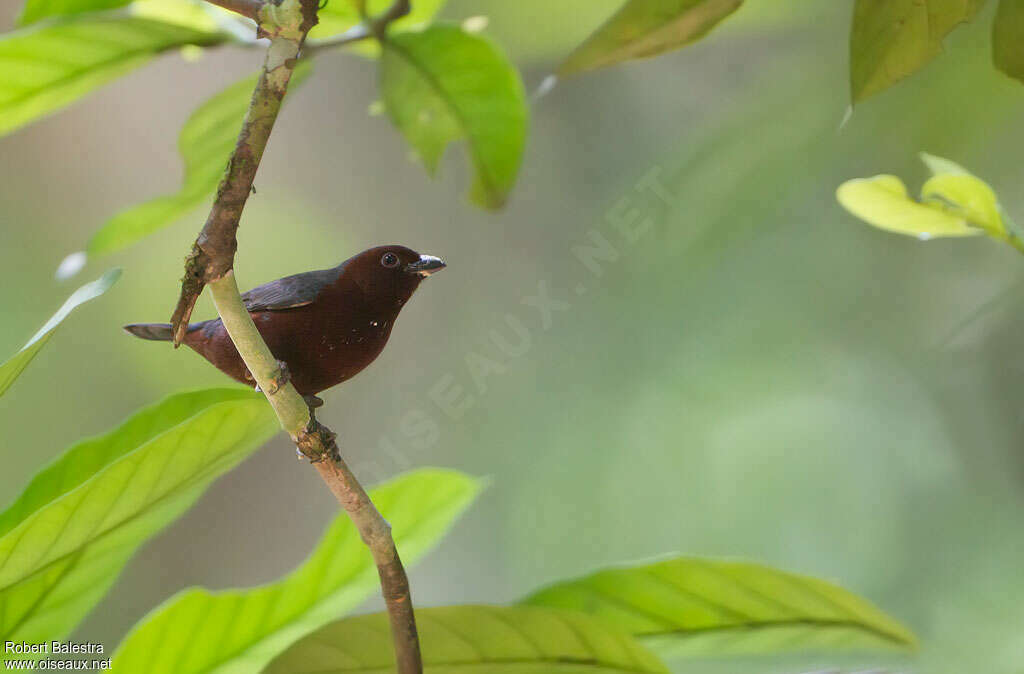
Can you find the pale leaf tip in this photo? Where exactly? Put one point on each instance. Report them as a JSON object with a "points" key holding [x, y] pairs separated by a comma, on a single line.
{"points": [[71, 265]]}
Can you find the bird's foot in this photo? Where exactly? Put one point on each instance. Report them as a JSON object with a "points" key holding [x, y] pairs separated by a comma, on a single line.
{"points": [[313, 403], [279, 379]]}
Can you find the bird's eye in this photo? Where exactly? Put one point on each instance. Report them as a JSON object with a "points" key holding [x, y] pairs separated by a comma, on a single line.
{"points": [[389, 260]]}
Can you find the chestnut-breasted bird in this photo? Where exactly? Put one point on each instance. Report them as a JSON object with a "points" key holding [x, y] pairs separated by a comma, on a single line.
{"points": [[325, 325]]}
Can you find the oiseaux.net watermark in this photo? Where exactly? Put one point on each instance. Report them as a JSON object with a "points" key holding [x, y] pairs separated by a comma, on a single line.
{"points": [[454, 393], [46, 656]]}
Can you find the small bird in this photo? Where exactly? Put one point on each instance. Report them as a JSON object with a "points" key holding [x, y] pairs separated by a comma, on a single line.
{"points": [[325, 326]]}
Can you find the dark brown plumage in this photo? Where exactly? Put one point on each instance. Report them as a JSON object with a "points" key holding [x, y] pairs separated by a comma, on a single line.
{"points": [[325, 325]]}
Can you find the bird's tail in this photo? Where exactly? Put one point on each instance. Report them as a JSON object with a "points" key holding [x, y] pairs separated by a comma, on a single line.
{"points": [[155, 332]]}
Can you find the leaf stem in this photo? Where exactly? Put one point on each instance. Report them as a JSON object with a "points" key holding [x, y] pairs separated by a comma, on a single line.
{"points": [[211, 263]]}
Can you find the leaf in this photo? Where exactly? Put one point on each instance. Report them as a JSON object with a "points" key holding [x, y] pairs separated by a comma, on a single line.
{"points": [[205, 144], [93, 50], [339, 16], [645, 28], [241, 630], [34, 10], [442, 85], [940, 166], [966, 196], [64, 541], [892, 39], [882, 201], [703, 607], [17, 363], [1007, 38], [474, 639]]}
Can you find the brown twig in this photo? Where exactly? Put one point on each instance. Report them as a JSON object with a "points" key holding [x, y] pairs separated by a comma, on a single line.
{"points": [[211, 263], [247, 8]]}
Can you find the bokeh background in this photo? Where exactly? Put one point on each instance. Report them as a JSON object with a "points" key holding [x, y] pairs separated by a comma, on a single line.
{"points": [[758, 376]]}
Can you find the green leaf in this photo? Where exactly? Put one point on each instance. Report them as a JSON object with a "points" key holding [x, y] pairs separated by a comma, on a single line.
{"points": [[93, 51], [892, 39], [883, 201], [474, 640], [339, 16], [66, 538], [205, 144], [702, 607], [645, 28], [17, 363], [442, 85], [241, 630], [1007, 38], [34, 10]]}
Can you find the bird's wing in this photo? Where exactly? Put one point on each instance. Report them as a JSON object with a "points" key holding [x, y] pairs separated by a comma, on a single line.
{"points": [[290, 292]]}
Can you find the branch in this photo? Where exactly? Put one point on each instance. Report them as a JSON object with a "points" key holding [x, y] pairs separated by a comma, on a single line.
{"points": [[247, 8], [211, 263], [317, 443], [213, 253]]}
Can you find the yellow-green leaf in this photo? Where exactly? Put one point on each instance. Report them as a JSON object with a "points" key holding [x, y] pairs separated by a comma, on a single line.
{"points": [[17, 363], [1008, 38], [93, 51], [475, 640], [966, 196], [239, 631], [883, 201], [689, 607], [892, 39], [205, 144], [64, 541], [442, 85], [645, 28]]}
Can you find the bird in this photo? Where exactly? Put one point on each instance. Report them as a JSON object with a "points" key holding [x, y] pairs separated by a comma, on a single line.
{"points": [[324, 326]]}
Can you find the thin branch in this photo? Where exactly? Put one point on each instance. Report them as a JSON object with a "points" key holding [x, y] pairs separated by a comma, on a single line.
{"points": [[353, 34], [247, 8], [317, 443], [397, 10], [211, 263]]}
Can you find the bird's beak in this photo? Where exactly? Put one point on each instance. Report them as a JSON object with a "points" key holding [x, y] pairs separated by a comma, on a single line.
{"points": [[425, 266]]}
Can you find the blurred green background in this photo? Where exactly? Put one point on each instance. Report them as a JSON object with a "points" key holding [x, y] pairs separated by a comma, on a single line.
{"points": [[758, 376]]}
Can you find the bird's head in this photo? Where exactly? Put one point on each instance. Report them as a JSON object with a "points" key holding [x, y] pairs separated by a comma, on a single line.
{"points": [[389, 275]]}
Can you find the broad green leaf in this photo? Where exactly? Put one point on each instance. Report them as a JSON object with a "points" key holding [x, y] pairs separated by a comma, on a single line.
{"points": [[883, 202], [645, 28], [892, 39], [17, 363], [93, 50], [474, 640], [66, 538], [442, 85], [34, 10], [240, 631], [205, 144], [703, 607], [338, 16], [1007, 38], [195, 14]]}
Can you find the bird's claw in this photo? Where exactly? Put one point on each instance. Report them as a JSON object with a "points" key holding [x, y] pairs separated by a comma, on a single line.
{"points": [[313, 403]]}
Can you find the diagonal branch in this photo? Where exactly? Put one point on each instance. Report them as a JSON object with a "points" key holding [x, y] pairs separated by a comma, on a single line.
{"points": [[247, 8], [211, 263]]}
